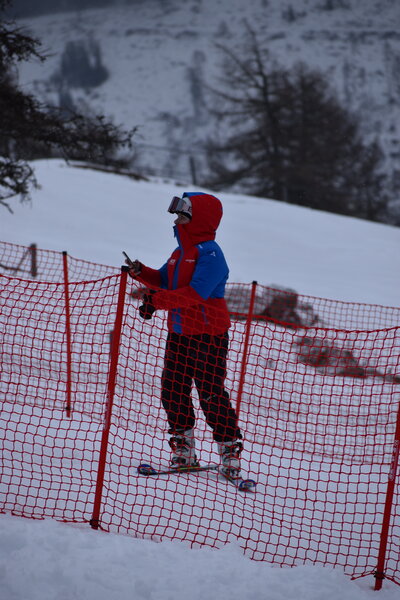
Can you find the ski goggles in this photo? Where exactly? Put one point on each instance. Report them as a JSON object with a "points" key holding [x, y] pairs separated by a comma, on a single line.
{"points": [[181, 205]]}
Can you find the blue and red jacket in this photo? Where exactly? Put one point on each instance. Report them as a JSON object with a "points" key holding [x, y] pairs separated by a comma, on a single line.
{"points": [[193, 279]]}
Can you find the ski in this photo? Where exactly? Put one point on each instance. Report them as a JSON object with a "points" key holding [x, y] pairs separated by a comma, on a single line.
{"points": [[243, 485], [145, 469]]}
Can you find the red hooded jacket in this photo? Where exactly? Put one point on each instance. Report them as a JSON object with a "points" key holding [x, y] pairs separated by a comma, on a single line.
{"points": [[194, 277]]}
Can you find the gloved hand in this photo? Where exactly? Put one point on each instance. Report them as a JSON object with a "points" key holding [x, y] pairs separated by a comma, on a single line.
{"points": [[147, 309], [135, 268]]}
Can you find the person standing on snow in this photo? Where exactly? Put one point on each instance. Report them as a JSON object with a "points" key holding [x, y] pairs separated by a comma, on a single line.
{"points": [[192, 284]]}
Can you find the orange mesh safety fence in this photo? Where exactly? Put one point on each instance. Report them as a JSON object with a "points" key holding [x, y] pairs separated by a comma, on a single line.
{"points": [[315, 384]]}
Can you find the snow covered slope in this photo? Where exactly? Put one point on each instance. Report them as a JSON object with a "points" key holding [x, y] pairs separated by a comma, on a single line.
{"points": [[94, 216]]}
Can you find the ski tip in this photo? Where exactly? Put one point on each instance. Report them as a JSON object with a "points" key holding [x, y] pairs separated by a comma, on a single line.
{"points": [[247, 485], [146, 470]]}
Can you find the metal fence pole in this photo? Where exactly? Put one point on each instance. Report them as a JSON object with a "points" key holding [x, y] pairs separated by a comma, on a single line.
{"points": [[112, 374], [245, 347], [67, 334], [380, 569]]}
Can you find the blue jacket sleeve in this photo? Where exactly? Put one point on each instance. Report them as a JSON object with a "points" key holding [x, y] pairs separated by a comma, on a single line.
{"points": [[211, 272]]}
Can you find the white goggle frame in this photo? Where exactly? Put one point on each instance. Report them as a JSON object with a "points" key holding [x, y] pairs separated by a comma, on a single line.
{"points": [[181, 205]]}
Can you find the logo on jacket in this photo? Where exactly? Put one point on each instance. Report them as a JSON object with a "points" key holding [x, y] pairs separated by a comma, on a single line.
{"points": [[190, 260], [172, 261]]}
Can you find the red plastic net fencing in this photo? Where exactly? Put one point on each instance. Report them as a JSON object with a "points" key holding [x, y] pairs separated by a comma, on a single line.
{"points": [[317, 400], [31, 262]]}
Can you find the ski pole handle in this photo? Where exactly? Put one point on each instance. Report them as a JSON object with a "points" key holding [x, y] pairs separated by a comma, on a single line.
{"points": [[135, 266]]}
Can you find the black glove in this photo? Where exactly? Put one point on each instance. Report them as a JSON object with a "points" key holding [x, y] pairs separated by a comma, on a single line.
{"points": [[147, 308]]}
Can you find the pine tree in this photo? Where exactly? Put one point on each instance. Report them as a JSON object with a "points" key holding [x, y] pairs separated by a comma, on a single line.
{"points": [[283, 134]]}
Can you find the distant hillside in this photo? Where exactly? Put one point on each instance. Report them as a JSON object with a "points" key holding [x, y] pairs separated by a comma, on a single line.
{"points": [[160, 56]]}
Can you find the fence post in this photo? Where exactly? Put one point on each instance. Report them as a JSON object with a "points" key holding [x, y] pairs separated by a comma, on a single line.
{"points": [[380, 569], [112, 374], [67, 333], [33, 251], [245, 347], [192, 165]]}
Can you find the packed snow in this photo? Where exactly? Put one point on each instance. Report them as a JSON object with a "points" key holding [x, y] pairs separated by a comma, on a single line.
{"points": [[94, 216], [47, 560]]}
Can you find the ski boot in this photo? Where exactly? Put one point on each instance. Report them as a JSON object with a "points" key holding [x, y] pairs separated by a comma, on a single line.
{"points": [[183, 447], [230, 458]]}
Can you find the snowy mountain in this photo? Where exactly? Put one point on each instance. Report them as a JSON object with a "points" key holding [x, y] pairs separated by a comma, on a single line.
{"points": [[160, 57]]}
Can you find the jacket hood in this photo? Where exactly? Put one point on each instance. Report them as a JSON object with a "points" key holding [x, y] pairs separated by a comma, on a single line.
{"points": [[206, 217]]}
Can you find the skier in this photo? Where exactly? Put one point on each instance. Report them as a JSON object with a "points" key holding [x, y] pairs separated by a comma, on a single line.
{"points": [[193, 285]]}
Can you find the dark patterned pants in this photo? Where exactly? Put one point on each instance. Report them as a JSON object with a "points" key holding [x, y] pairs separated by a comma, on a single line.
{"points": [[200, 359]]}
